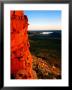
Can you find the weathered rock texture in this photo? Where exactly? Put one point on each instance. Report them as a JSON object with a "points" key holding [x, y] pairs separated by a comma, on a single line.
{"points": [[21, 59]]}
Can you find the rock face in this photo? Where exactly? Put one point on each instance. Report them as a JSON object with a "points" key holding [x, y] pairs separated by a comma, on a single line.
{"points": [[21, 59]]}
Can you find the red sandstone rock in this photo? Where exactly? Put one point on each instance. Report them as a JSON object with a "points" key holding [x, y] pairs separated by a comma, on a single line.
{"points": [[21, 59]]}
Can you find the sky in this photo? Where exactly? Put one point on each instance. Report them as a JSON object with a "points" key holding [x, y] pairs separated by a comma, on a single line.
{"points": [[44, 20]]}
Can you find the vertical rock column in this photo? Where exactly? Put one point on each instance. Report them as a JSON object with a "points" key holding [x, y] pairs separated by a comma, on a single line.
{"points": [[21, 59]]}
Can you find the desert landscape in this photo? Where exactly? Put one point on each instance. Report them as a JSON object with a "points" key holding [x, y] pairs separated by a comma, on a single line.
{"points": [[35, 54], [46, 53]]}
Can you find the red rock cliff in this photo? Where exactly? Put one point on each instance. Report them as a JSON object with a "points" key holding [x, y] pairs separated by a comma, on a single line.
{"points": [[21, 59]]}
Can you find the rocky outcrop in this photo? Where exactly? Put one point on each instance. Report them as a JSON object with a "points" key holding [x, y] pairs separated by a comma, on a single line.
{"points": [[44, 70], [21, 59]]}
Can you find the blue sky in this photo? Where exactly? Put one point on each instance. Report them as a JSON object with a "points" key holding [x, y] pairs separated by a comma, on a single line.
{"points": [[39, 19]]}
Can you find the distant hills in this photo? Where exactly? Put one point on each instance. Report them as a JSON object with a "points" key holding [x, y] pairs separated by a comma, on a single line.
{"points": [[45, 35]]}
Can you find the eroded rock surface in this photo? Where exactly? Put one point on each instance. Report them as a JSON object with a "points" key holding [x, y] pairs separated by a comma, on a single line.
{"points": [[21, 59]]}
